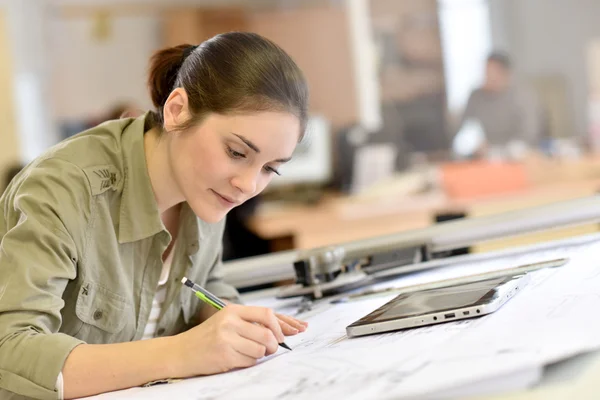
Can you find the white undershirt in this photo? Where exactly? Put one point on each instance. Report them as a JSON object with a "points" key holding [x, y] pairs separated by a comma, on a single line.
{"points": [[159, 298], [150, 329]]}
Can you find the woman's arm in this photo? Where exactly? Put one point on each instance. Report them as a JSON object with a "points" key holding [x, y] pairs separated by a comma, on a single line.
{"points": [[235, 337], [97, 368], [41, 237]]}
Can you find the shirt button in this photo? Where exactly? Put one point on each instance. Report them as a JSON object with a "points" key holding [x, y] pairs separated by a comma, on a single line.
{"points": [[98, 314], [160, 331]]}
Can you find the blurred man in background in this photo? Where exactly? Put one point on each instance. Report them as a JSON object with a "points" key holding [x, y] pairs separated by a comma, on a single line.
{"points": [[500, 116]]}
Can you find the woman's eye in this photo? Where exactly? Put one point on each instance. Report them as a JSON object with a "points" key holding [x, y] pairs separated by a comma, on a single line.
{"points": [[235, 154], [272, 170]]}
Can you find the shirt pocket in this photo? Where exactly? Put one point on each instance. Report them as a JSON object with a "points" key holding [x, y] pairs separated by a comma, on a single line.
{"points": [[105, 314]]}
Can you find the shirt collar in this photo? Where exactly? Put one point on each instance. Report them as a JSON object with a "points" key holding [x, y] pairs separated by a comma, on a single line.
{"points": [[193, 228], [139, 215]]}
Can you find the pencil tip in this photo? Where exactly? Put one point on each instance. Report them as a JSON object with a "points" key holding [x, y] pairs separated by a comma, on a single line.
{"points": [[285, 346]]}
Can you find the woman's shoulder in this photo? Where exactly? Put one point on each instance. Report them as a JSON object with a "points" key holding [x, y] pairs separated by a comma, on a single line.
{"points": [[95, 157], [102, 144]]}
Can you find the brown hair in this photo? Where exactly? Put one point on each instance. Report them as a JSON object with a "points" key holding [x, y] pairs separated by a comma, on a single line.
{"points": [[229, 73]]}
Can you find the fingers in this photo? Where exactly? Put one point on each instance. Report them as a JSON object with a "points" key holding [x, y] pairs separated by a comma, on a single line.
{"points": [[291, 325], [287, 329], [249, 348], [261, 315], [260, 335]]}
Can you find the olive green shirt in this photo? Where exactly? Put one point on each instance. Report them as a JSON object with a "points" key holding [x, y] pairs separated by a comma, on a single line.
{"points": [[81, 254]]}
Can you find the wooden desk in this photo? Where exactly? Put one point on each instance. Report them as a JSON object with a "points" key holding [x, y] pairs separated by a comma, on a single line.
{"points": [[340, 219]]}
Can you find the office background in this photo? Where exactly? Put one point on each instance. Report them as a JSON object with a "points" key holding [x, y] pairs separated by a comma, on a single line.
{"points": [[389, 82]]}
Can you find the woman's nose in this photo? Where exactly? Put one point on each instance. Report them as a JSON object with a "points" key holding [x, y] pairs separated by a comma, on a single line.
{"points": [[246, 182]]}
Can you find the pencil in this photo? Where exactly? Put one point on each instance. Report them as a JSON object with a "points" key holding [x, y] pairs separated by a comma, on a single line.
{"points": [[212, 300]]}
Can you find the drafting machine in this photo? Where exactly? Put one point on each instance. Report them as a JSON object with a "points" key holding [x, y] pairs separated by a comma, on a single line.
{"points": [[322, 271]]}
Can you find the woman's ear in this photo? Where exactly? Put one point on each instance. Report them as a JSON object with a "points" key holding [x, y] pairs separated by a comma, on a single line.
{"points": [[175, 110]]}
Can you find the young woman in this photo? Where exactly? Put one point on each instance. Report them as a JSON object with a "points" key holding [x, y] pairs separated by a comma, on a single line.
{"points": [[97, 233]]}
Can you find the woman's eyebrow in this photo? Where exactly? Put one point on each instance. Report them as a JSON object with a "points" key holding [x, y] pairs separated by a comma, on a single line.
{"points": [[248, 142], [256, 149], [283, 160]]}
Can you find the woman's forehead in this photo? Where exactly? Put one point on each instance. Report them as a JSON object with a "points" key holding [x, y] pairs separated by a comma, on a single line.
{"points": [[263, 127]]}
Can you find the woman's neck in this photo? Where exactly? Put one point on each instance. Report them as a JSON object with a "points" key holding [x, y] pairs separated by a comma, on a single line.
{"points": [[165, 189]]}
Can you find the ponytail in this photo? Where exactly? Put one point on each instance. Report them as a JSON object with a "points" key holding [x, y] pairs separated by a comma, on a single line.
{"points": [[164, 67]]}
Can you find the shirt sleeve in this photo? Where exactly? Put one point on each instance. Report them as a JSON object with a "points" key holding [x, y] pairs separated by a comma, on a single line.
{"points": [[44, 224]]}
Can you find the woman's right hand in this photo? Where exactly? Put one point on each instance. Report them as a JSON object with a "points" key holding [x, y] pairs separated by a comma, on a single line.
{"points": [[234, 337]]}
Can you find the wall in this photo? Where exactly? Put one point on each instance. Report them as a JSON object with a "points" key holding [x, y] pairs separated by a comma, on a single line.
{"points": [[549, 38], [466, 41], [28, 33], [84, 83], [193, 25], [411, 75], [9, 146], [318, 40], [89, 72], [317, 37]]}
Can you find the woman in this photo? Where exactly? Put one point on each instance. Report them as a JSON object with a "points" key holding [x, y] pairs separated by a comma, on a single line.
{"points": [[98, 232]]}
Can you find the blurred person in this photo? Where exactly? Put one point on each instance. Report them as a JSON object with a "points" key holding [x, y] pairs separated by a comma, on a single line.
{"points": [[98, 232], [500, 115]]}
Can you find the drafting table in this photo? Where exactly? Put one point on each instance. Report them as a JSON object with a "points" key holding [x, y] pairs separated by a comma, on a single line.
{"points": [[322, 366], [426, 242]]}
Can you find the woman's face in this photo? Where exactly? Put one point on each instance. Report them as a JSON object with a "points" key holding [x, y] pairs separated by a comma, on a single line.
{"points": [[227, 159]]}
